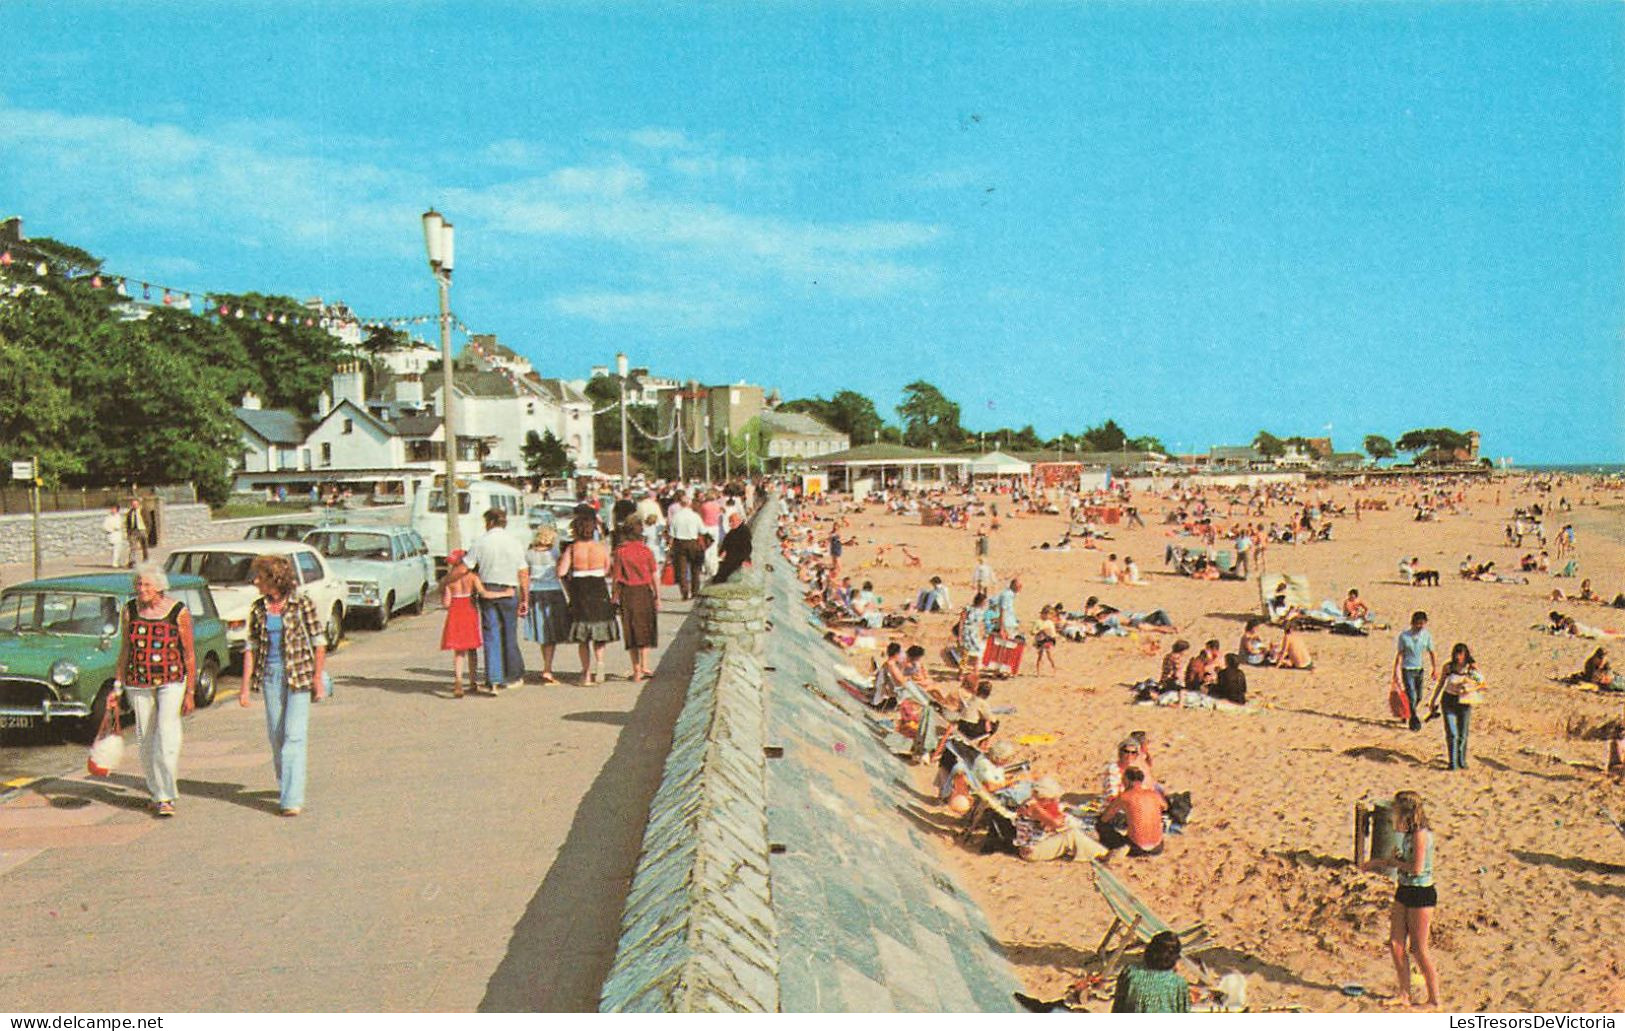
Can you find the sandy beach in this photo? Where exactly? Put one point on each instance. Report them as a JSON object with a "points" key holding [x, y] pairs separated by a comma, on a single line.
{"points": [[1531, 879]]}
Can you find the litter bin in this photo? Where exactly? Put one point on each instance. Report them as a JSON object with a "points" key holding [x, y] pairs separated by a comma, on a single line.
{"points": [[1374, 830]]}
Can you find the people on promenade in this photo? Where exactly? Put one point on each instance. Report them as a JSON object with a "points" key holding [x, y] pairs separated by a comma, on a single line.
{"points": [[1415, 643], [635, 591], [547, 617], [736, 547], [1460, 687], [157, 670], [113, 529], [1411, 919], [285, 659], [584, 567], [710, 509], [504, 598], [1155, 986], [461, 633], [135, 532], [684, 527]]}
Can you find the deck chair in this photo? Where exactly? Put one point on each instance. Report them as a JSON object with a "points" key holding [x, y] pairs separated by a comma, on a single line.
{"points": [[1133, 921], [1294, 586], [1226, 561], [984, 800]]}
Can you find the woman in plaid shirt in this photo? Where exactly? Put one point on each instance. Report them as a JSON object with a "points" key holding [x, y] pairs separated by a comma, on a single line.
{"points": [[284, 659]]}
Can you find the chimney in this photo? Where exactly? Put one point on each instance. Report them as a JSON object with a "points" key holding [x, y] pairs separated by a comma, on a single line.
{"points": [[349, 384], [251, 401], [324, 404], [409, 389]]}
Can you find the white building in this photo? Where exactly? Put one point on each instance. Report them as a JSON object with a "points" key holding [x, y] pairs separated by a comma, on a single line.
{"points": [[501, 411], [795, 435]]}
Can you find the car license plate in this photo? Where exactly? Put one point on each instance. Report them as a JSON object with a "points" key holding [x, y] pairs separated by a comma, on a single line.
{"points": [[16, 722]]}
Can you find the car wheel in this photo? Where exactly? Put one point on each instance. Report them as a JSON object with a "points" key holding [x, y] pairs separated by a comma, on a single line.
{"points": [[381, 620], [208, 680], [85, 733], [335, 628], [421, 606]]}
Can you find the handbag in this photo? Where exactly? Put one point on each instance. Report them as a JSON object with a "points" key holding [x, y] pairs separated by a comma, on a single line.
{"points": [[107, 751], [1399, 703], [1472, 693]]}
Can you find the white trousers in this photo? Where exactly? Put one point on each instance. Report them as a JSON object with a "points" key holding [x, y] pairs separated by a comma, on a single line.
{"points": [[158, 727]]}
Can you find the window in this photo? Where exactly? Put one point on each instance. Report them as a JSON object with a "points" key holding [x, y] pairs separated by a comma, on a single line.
{"points": [[221, 568], [327, 454], [530, 407], [310, 570], [437, 501], [199, 602], [349, 426]]}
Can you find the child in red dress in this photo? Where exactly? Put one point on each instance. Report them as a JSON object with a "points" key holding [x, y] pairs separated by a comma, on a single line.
{"points": [[461, 634]]}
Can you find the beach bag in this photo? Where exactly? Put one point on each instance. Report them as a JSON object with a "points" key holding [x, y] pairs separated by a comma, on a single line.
{"points": [[1399, 703], [107, 751], [1473, 692]]}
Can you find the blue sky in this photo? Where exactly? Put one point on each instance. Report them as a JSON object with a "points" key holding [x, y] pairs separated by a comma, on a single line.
{"points": [[1198, 219]]}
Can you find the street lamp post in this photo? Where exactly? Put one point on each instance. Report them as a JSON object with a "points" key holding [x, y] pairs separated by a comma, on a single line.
{"points": [[620, 370], [438, 242], [707, 443]]}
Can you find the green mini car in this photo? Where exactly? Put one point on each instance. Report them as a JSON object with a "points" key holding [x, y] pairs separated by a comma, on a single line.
{"points": [[59, 646]]}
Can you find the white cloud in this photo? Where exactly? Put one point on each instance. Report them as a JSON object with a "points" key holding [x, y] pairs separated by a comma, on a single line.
{"points": [[611, 180], [511, 153], [713, 166], [652, 138], [658, 309]]}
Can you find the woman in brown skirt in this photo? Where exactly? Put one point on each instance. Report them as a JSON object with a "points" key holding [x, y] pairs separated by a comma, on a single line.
{"points": [[635, 580]]}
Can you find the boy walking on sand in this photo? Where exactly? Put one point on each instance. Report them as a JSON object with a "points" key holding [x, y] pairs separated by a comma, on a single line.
{"points": [[1413, 644]]}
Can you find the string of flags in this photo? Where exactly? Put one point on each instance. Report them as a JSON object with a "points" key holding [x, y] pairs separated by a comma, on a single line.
{"points": [[213, 304]]}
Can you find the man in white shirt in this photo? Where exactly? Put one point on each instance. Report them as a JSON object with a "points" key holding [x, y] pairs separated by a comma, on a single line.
{"points": [[113, 527], [500, 560], [684, 526]]}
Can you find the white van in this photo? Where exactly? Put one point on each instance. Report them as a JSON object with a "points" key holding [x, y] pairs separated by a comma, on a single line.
{"points": [[474, 499]]}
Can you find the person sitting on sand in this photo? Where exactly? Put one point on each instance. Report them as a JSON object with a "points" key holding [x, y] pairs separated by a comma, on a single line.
{"points": [[1354, 608], [1203, 670], [1154, 987], [1109, 570], [1131, 753], [1252, 649], [1292, 653], [1045, 831], [1231, 685], [866, 606], [1168, 679], [1597, 670], [971, 632], [1130, 576], [889, 676], [933, 597], [1616, 750], [1134, 818]]}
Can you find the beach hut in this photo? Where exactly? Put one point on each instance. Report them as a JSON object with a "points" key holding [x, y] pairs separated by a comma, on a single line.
{"points": [[997, 463]]}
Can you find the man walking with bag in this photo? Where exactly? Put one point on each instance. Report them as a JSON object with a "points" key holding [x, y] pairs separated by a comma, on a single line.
{"points": [[135, 532]]}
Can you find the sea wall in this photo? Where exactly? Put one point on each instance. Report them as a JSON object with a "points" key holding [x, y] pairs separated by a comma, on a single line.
{"points": [[781, 868]]}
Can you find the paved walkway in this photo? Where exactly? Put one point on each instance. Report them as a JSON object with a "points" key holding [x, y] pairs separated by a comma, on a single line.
{"points": [[455, 854]]}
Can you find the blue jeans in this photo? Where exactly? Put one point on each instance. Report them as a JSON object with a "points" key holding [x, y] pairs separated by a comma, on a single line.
{"points": [[1456, 719], [287, 722], [499, 625], [1413, 690]]}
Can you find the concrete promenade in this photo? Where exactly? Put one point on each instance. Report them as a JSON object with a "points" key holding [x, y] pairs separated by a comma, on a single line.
{"points": [[455, 855]]}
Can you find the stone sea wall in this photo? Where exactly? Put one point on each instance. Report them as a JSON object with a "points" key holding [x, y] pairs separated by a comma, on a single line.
{"points": [[781, 869], [66, 535]]}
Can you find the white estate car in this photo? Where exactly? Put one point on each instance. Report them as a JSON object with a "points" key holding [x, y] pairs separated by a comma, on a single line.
{"points": [[226, 567]]}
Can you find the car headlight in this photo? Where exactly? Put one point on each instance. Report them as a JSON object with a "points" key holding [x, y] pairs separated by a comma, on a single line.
{"points": [[64, 672], [367, 590]]}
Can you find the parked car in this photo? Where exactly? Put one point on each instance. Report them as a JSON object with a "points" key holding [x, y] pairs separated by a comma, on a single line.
{"points": [[280, 531], [59, 646], [226, 567], [384, 568], [556, 514]]}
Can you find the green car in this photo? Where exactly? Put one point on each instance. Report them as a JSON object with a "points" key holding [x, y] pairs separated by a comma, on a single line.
{"points": [[59, 645]]}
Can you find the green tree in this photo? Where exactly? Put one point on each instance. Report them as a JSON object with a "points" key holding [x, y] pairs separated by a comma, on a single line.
{"points": [[294, 361], [1269, 445], [382, 338], [1378, 448], [1442, 438], [929, 417], [1108, 436], [1144, 444], [848, 411], [545, 455]]}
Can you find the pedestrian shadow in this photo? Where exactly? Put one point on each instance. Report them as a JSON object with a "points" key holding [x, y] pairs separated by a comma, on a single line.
{"points": [[113, 792], [1364, 721], [614, 719], [1222, 958], [1574, 864], [562, 947], [1606, 890], [400, 685], [1381, 754], [1502, 767]]}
